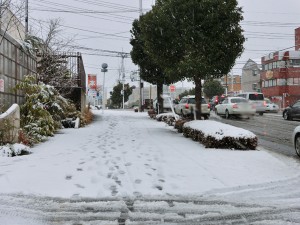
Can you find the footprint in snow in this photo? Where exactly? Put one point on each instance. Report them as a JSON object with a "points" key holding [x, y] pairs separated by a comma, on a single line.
{"points": [[79, 186], [138, 181]]}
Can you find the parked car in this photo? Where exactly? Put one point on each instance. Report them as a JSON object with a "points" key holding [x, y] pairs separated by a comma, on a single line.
{"points": [[236, 106], [292, 111], [296, 140], [187, 105], [257, 99], [271, 107]]}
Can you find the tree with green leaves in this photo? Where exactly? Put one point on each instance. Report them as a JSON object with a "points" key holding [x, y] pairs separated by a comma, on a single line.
{"points": [[187, 92], [150, 71], [194, 39], [117, 97], [212, 88]]}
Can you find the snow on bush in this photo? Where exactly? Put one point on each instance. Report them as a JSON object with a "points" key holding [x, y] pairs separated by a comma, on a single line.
{"points": [[11, 150], [43, 110], [213, 134], [168, 118]]}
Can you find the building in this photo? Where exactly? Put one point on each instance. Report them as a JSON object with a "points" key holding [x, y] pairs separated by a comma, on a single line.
{"points": [[280, 76], [232, 83], [251, 77], [15, 63], [11, 24]]}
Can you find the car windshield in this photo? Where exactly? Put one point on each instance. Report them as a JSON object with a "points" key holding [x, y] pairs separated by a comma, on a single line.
{"points": [[256, 97], [239, 100], [193, 101]]}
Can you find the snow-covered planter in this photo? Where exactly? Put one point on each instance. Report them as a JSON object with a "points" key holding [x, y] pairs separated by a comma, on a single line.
{"points": [[14, 150], [213, 134], [179, 124], [152, 114], [168, 118]]}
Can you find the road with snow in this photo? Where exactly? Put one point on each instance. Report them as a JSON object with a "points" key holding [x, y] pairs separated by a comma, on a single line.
{"points": [[128, 169]]}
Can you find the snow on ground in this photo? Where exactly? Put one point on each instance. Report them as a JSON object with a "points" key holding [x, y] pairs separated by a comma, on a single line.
{"points": [[126, 154]]}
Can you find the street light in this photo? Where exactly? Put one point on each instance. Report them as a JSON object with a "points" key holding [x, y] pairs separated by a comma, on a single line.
{"points": [[104, 69]]}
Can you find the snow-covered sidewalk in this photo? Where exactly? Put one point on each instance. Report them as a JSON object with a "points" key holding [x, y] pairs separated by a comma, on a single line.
{"points": [[126, 154]]}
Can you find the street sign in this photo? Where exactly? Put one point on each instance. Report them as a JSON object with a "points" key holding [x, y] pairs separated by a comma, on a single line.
{"points": [[172, 88], [1, 85]]}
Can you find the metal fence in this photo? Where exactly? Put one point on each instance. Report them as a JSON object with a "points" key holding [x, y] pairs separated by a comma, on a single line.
{"points": [[14, 65]]}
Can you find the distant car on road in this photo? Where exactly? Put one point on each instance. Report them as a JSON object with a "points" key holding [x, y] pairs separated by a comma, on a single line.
{"points": [[215, 101], [187, 105], [257, 99], [167, 106], [271, 107], [292, 111], [296, 140], [236, 106]]}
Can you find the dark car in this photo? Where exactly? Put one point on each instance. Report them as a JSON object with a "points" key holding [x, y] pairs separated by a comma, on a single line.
{"points": [[216, 100], [292, 111]]}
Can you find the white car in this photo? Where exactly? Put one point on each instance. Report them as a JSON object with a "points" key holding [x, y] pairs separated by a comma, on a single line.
{"points": [[271, 107], [187, 105], [296, 140], [236, 106], [167, 106]]}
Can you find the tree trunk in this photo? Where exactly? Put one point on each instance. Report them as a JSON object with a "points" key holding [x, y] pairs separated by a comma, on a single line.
{"points": [[160, 100], [198, 98]]}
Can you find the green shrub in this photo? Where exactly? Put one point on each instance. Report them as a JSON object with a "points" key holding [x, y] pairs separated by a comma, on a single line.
{"points": [[43, 110]]}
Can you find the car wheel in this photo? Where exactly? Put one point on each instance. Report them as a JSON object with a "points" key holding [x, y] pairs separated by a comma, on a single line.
{"points": [[206, 117], [261, 113], [286, 116], [227, 116], [297, 144]]}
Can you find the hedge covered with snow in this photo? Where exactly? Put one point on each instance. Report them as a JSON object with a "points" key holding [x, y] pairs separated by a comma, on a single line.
{"points": [[11, 150], [168, 118], [213, 134]]}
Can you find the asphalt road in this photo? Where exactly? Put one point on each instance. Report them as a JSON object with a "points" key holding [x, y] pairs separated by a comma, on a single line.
{"points": [[273, 132]]}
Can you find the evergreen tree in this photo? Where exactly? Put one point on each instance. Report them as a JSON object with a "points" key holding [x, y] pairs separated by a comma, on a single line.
{"points": [[117, 97], [194, 39], [212, 88]]}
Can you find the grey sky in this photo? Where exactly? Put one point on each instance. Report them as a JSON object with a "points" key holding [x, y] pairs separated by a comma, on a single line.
{"points": [[269, 25]]}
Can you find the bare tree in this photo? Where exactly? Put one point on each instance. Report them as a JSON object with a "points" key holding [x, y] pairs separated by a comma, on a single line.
{"points": [[56, 65]]}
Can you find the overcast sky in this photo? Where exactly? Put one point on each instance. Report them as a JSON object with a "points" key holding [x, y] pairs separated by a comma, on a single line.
{"points": [[269, 25]]}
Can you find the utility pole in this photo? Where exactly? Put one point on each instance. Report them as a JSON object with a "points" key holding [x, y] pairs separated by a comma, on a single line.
{"points": [[140, 102], [123, 55], [123, 79], [26, 18], [0, 14], [104, 69]]}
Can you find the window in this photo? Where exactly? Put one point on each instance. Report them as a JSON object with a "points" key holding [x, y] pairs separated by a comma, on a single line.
{"points": [[295, 62], [254, 86], [238, 100], [256, 96], [254, 72], [281, 82], [297, 105]]}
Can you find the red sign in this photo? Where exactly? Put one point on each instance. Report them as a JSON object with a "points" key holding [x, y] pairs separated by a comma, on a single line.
{"points": [[92, 81], [172, 88], [2, 85]]}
